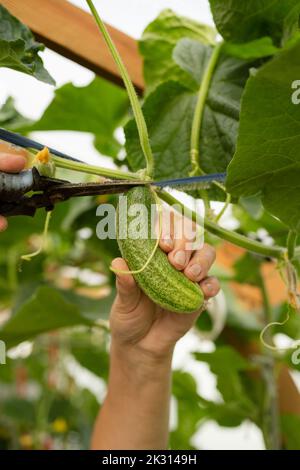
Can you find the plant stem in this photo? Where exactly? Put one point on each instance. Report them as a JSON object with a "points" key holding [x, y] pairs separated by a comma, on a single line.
{"points": [[270, 425], [197, 122], [137, 111], [291, 244], [199, 110], [94, 170], [224, 208], [266, 302], [232, 237]]}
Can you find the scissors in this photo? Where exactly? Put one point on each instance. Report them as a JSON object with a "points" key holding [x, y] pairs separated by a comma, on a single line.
{"points": [[45, 192]]}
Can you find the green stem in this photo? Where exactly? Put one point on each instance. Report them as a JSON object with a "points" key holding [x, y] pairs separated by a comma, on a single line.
{"points": [[94, 170], [199, 110], [291, 244], [197, 122], [137, 111], [266, 301], [232, 237], [224, 208], [270, 411], [12, 276]]}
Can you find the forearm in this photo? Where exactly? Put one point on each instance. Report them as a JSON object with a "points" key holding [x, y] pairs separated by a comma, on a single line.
{"points": [[135, 414]]}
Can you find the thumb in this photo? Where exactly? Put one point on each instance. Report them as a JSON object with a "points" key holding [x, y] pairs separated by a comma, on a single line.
{"points": [[128, 290]]}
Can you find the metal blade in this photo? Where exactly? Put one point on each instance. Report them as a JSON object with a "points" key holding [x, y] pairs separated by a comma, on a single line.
{"points": [[193, 181]]}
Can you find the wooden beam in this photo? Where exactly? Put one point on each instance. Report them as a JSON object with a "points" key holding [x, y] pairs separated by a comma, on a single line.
{"points": [[73, 33]]}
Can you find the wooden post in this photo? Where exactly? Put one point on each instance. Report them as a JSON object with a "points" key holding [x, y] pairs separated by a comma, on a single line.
{"points": [[73, 33]]}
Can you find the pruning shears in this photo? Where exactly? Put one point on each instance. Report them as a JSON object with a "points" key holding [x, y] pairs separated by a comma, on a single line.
{"points": [[28, 191]]}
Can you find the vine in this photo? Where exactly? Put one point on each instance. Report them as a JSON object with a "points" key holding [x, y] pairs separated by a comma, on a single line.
{"points": [[199, 111], [276, 252], [137, 111]]}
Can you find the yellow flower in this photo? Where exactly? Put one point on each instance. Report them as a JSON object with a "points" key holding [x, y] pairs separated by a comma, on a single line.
{"points": [[60, 426], [26, 441], [43, 156]]}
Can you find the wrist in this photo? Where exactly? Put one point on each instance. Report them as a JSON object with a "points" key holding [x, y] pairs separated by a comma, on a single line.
{"points": [[138, 365]]}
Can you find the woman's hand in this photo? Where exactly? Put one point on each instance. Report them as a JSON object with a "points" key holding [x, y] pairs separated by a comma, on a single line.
{"points": [[135, 414], [140, 325], [11, 161]]}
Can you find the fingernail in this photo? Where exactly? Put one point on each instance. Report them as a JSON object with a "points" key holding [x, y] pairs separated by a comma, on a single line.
{"points": [[209, 287], [180, 258], [195, 270]]}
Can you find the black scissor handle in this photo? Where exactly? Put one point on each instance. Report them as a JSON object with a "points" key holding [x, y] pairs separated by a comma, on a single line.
{"points": [[14, 186]]}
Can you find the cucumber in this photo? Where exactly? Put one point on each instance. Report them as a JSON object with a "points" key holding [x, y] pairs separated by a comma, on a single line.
{"points": [[160, 281]]}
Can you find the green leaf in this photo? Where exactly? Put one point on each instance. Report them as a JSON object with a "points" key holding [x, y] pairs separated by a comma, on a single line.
{"points": [[93, 358], [226, 364], [157, 44], [192, 57], [169, 113], [291, 319], [290, 425], [243, 21], [18, 48], [99, 108], [258, 48], [253, 218], [269, 136], [247, 270], [44, 311], [189, 411], [20, 410], [10, 118]]}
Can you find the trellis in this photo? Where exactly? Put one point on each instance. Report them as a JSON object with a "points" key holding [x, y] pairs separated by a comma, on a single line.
{"points": [[73, 33]]}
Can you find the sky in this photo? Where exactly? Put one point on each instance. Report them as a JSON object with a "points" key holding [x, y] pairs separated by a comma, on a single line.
{"points": [[32, 97]]}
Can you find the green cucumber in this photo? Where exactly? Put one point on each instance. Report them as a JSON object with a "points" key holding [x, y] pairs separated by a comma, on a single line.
{"points": [[160, 281]]}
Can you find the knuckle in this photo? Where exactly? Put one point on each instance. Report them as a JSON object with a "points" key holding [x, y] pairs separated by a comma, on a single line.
{"points": [[210, 252]]}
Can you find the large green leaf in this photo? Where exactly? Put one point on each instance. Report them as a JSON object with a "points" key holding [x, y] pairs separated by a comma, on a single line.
{"points": [[267, 159], [242, 21], [157, 44], [46, 310], [169, 113], [99, 108], [92, 358], [227, 364], [18, 48], [10, 118], [258, 48]]}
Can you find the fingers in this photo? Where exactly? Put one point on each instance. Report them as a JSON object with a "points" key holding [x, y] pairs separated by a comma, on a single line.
{"points": [[184, 230], [166, 241], [200, 263], [12, 163], [128, 290], [3, 224], [210, 287], [194, 264]]}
